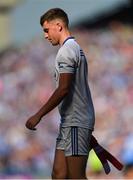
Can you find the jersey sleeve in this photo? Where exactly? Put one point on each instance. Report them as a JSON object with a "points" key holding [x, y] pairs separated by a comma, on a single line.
{"points": [[67, 60]]}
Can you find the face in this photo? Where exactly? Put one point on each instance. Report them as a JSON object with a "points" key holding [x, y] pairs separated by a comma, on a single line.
{"points": [[51, 31]]}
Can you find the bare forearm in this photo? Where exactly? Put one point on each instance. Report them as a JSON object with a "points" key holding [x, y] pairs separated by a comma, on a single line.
{"points": [[54, 100], [59, 94]]}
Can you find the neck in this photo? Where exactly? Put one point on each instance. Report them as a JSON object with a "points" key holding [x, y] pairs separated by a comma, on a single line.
{"points": [[64, 36]]}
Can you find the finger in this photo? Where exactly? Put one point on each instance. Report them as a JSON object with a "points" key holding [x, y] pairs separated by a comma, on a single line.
{"points": [[34, 129]]}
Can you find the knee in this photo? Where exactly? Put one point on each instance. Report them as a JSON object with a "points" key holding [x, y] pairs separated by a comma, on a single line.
{"points": [[73, 176], [76, 175], [59, 174]]}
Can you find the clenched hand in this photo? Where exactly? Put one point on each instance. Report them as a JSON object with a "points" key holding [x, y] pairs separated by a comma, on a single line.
{"points": [[32, 122]]}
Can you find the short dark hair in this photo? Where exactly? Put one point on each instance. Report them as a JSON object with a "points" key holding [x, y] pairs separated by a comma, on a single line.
{"points": [[54, 13]]}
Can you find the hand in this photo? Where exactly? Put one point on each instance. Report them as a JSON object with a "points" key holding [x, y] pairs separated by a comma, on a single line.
{"points": [[32, 122]]}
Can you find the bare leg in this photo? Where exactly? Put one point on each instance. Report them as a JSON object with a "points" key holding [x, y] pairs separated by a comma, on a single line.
{"points": [[76, 167], [59, 166]]}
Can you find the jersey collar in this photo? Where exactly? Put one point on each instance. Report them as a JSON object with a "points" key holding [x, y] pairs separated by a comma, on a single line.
{"points": [[70, 37]]}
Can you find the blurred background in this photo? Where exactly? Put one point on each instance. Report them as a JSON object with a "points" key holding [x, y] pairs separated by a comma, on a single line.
{"points": [[104, 29]]}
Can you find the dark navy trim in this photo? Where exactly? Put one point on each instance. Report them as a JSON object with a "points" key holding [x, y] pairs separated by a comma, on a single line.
{"points": [[77, 140], [68, 39], [74, 140]]}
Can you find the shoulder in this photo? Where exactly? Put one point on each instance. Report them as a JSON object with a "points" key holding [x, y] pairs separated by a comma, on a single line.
{"points": [[70, 48], [71, 45]]}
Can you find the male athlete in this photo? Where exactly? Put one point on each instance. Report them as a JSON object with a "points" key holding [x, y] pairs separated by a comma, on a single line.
{"points": [[73, 98]]}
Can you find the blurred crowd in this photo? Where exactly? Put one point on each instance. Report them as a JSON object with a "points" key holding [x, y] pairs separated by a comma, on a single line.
{"points": [[27, 81]]}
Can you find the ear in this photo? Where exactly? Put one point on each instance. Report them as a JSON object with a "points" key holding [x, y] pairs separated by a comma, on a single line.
{"points": [[59, 26]]}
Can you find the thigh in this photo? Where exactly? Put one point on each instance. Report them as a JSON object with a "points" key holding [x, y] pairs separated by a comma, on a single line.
{"points": [[59, 166], [76, 166], [77, 153]]}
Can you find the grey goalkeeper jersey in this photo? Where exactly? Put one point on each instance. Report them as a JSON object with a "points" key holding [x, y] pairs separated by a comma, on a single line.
{"points": [[76, 109]]}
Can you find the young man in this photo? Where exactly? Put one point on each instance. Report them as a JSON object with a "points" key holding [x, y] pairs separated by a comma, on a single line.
{"points": [[73, 98]]}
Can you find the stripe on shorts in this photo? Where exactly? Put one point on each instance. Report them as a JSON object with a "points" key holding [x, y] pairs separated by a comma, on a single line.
{"points": [[74, 140]]}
